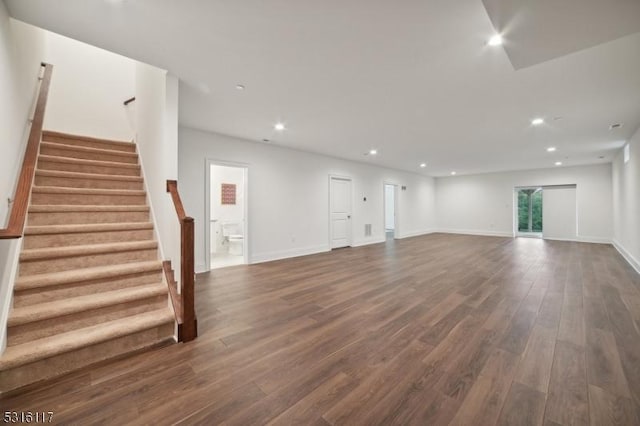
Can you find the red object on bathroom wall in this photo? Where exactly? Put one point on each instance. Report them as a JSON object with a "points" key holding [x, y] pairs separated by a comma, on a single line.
{"points": [[228, 193]]}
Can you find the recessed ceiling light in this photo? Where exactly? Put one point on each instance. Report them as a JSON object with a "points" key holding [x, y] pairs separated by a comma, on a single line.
{"points": [[240, 86], [373, 152], [266, 140], [453, 173], [537, 121], [279, 127], [496, 40], [423, 165], [551, 149], [558, 163]]}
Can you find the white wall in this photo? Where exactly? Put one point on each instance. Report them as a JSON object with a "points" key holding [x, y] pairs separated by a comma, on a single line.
{"points": [[156, 118], [626, 202], [88, 88], [389, 207], [483, 204], [559, 213], [21, 51], [289, 195], [227, 212]]}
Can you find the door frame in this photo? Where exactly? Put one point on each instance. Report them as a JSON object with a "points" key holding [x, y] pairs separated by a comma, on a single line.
{"points": [[395, 209], [207, 208], [516, 219], [350, 179]]}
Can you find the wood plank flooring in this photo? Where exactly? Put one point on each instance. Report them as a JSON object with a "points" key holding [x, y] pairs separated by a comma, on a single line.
{"points": [[433, 330]]}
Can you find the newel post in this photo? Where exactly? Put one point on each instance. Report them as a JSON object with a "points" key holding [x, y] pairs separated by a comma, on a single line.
{"points": [[187, 270]]}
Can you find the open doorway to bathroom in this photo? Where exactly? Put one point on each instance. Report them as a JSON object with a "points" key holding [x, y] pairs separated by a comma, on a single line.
{"points": [[227, 205], [390, 211]]}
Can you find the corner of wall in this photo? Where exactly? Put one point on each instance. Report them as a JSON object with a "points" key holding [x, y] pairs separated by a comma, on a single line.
{"points": [[635, 263]]}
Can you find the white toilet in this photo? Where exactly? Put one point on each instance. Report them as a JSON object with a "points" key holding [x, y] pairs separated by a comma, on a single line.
{"points": [[232, 233]]}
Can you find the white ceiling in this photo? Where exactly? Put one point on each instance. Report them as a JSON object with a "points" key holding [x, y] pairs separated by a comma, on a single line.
{"points": [[541, 30], [413, 78]]}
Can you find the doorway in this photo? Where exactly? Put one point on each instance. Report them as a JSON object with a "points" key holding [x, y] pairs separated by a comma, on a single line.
{"points": [[390, 215], [340, 232], [529, 212], [227, 206]]}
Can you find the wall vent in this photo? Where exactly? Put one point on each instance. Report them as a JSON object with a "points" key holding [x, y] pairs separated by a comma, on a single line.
{"points": [[367, 230]]}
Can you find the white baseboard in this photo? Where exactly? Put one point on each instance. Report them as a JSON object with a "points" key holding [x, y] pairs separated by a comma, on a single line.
{"points": [[368, 242], [581, 239], [594, 240], [415, 233], [476, 232], [8, 277], [285, 254], [627, 256]]}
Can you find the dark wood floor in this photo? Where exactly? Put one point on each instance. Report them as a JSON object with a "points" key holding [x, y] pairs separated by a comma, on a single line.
{"points": [[432, 330]]}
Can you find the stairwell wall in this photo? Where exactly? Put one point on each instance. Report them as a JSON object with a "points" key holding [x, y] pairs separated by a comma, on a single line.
{"points": [[156, 118], [21, 50], [88, 89]]}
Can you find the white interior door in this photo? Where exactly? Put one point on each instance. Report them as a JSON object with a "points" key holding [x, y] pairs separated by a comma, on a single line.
{"points": [[389, 207], [340, 212], [559, 213]]}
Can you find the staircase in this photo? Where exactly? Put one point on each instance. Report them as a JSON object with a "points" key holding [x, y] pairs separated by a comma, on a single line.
{"points": [[90, 284]]}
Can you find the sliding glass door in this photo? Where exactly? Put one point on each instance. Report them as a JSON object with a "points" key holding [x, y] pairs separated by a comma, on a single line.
{"points": [[529, 213]]}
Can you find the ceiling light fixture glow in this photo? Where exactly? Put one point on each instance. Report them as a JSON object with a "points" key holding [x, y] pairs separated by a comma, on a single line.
{"points": [[373, 152], [240, 86], [558, 163], [279, 127], [551, 149], [423, 165], [496, 40], [453, 173], [537, 121]]}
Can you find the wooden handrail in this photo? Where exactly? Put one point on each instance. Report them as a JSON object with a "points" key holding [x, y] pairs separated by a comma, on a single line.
{"points": [[18, 214], [172, 188], [185, 306]]}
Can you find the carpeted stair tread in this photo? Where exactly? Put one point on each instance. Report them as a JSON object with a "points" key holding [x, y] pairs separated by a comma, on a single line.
{"points": [[51, 136], [73, 305], [85, 191], [66, 342], [87, 149], [91, 176], [85, 162], [86, 274], [57, 208], [83, 228], [84, 250]]}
